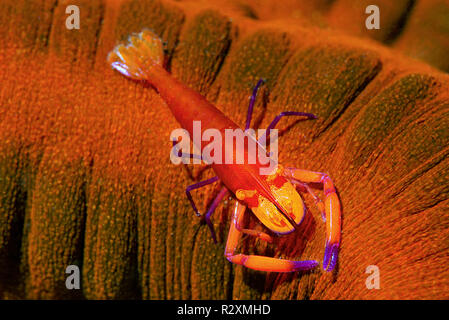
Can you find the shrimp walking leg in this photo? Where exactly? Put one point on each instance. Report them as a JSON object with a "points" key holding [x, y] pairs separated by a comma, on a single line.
{"points": [[276, 120], [255, 262], [223, 192], [332, 209], [197, 186], [180, 154], [258, 234], [251, 103], [318, 202]]}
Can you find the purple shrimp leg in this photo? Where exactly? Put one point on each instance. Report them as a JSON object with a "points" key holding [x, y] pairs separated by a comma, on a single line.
{"points": [[197, 186], [251, 103], [278, 117], [318, 202], [275, 121], [212, 208], [180, 154]]}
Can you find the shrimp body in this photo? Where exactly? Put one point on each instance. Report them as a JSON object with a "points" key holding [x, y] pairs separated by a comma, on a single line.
{"points": [[273, 198]]}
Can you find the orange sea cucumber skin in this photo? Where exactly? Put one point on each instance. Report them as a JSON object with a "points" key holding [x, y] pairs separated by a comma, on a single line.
{"points": [[59, 89]]}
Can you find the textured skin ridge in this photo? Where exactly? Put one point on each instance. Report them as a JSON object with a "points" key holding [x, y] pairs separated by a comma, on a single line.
{"points": [[85, 176]]}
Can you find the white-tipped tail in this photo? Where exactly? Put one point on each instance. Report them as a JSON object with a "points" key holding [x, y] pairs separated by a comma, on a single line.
{"points": [[139, 56]]}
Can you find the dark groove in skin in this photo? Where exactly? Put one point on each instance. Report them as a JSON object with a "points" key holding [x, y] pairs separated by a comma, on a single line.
{"points": [[85, 187], [427, 256], [192, 249], [13, 253], [98, 32], [433, 205], [223, 56], [144, 263], [171, 54], [402, 22], [408, 179], [50, 27], [377, 69], [80, 245], [372, 159], [222, 63], [422, 170], [369, 99]]}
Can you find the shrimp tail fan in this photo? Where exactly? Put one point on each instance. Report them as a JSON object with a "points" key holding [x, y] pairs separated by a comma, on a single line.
{"points": [[139, 58]]}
